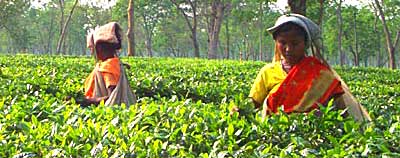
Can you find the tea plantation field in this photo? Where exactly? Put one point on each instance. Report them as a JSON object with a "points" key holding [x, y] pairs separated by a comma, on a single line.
{"points": [[183, 111]]}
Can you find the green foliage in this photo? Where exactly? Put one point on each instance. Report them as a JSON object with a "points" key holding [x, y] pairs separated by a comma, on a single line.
{"points": [[161, 25], [183, 111]]}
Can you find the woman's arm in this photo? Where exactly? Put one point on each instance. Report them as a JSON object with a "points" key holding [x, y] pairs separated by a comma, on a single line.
{"points": [[340, 105], [236, 109], [256, 104]]}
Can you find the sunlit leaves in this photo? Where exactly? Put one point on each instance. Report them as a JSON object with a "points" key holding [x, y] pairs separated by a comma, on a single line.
{"points": [[183, 111]]}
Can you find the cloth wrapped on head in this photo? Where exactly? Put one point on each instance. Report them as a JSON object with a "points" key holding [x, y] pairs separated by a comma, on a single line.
{"points": [[110, 33], [312, 30]]}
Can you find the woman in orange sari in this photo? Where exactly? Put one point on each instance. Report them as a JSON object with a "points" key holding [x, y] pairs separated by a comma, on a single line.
{"points": [[295, 81], [108, 81]]}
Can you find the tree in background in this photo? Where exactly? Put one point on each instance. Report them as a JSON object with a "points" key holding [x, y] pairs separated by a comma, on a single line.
{"points": [[217, 11], [131, 24], [243, 26], [297, 6], [390, 44], [171, 40], [65, 26], [75, 39], [189, 13], [45, 20], [354, 49], [245, 17], [261, 6], [152, 12], [13, 24], [340, 31], [321, 12]]}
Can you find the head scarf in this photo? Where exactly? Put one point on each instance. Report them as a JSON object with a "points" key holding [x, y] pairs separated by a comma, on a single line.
{"points": [[314, 38], [110, 33]]}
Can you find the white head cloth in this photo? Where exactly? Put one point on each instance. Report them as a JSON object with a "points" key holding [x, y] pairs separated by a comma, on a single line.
{"points": [[312, 29]]}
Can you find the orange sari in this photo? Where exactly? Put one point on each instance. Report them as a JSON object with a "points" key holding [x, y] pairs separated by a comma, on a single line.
{"points": [[110, 70], [307, 84]]}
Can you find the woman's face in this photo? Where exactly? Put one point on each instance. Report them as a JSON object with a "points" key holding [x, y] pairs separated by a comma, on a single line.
{"points": [[105, 50], [292, 46], [99, 52]]}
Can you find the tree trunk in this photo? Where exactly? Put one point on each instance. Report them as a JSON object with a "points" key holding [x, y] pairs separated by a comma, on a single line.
{"points": [[195, 42], [356, 59], [148, 35], [321, 13], [340, 26], [61, 40], [227, 39], [9, 48], [50, 38], [356, 53], [213, 31], [253, 52], [217, 13], [148, 44], [379, 63], [61, 3], [64, 44], [261, 11], [194, 28], [297, 6], [172, 51], [379, 56], [83, 48], [355, 56], [390, 46], [378, 34], [130, 33]]}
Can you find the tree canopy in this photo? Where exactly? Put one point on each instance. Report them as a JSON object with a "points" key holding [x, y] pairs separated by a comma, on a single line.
{"points": [[189, 28]]}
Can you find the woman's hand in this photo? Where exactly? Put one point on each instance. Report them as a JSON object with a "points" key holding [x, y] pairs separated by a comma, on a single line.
{"points": [[247, 107], [68, 98], [234, 110], [127, 65]]}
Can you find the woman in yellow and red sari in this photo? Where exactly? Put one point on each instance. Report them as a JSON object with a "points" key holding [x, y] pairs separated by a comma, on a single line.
{"points": [[295, 81], [288, 80]]}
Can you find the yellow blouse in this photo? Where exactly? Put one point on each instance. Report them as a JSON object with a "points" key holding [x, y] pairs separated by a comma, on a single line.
{"points": [[268, 81]]}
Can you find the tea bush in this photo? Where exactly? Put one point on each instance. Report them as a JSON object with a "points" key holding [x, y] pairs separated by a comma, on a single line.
{"points": [[183, 111]]}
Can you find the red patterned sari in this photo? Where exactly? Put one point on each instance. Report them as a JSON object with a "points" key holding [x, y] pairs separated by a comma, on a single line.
{"points": [[308, 84]]}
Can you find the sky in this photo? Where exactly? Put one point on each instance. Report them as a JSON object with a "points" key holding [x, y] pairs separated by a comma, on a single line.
{"points": [[97, 3], [280, 4]]}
